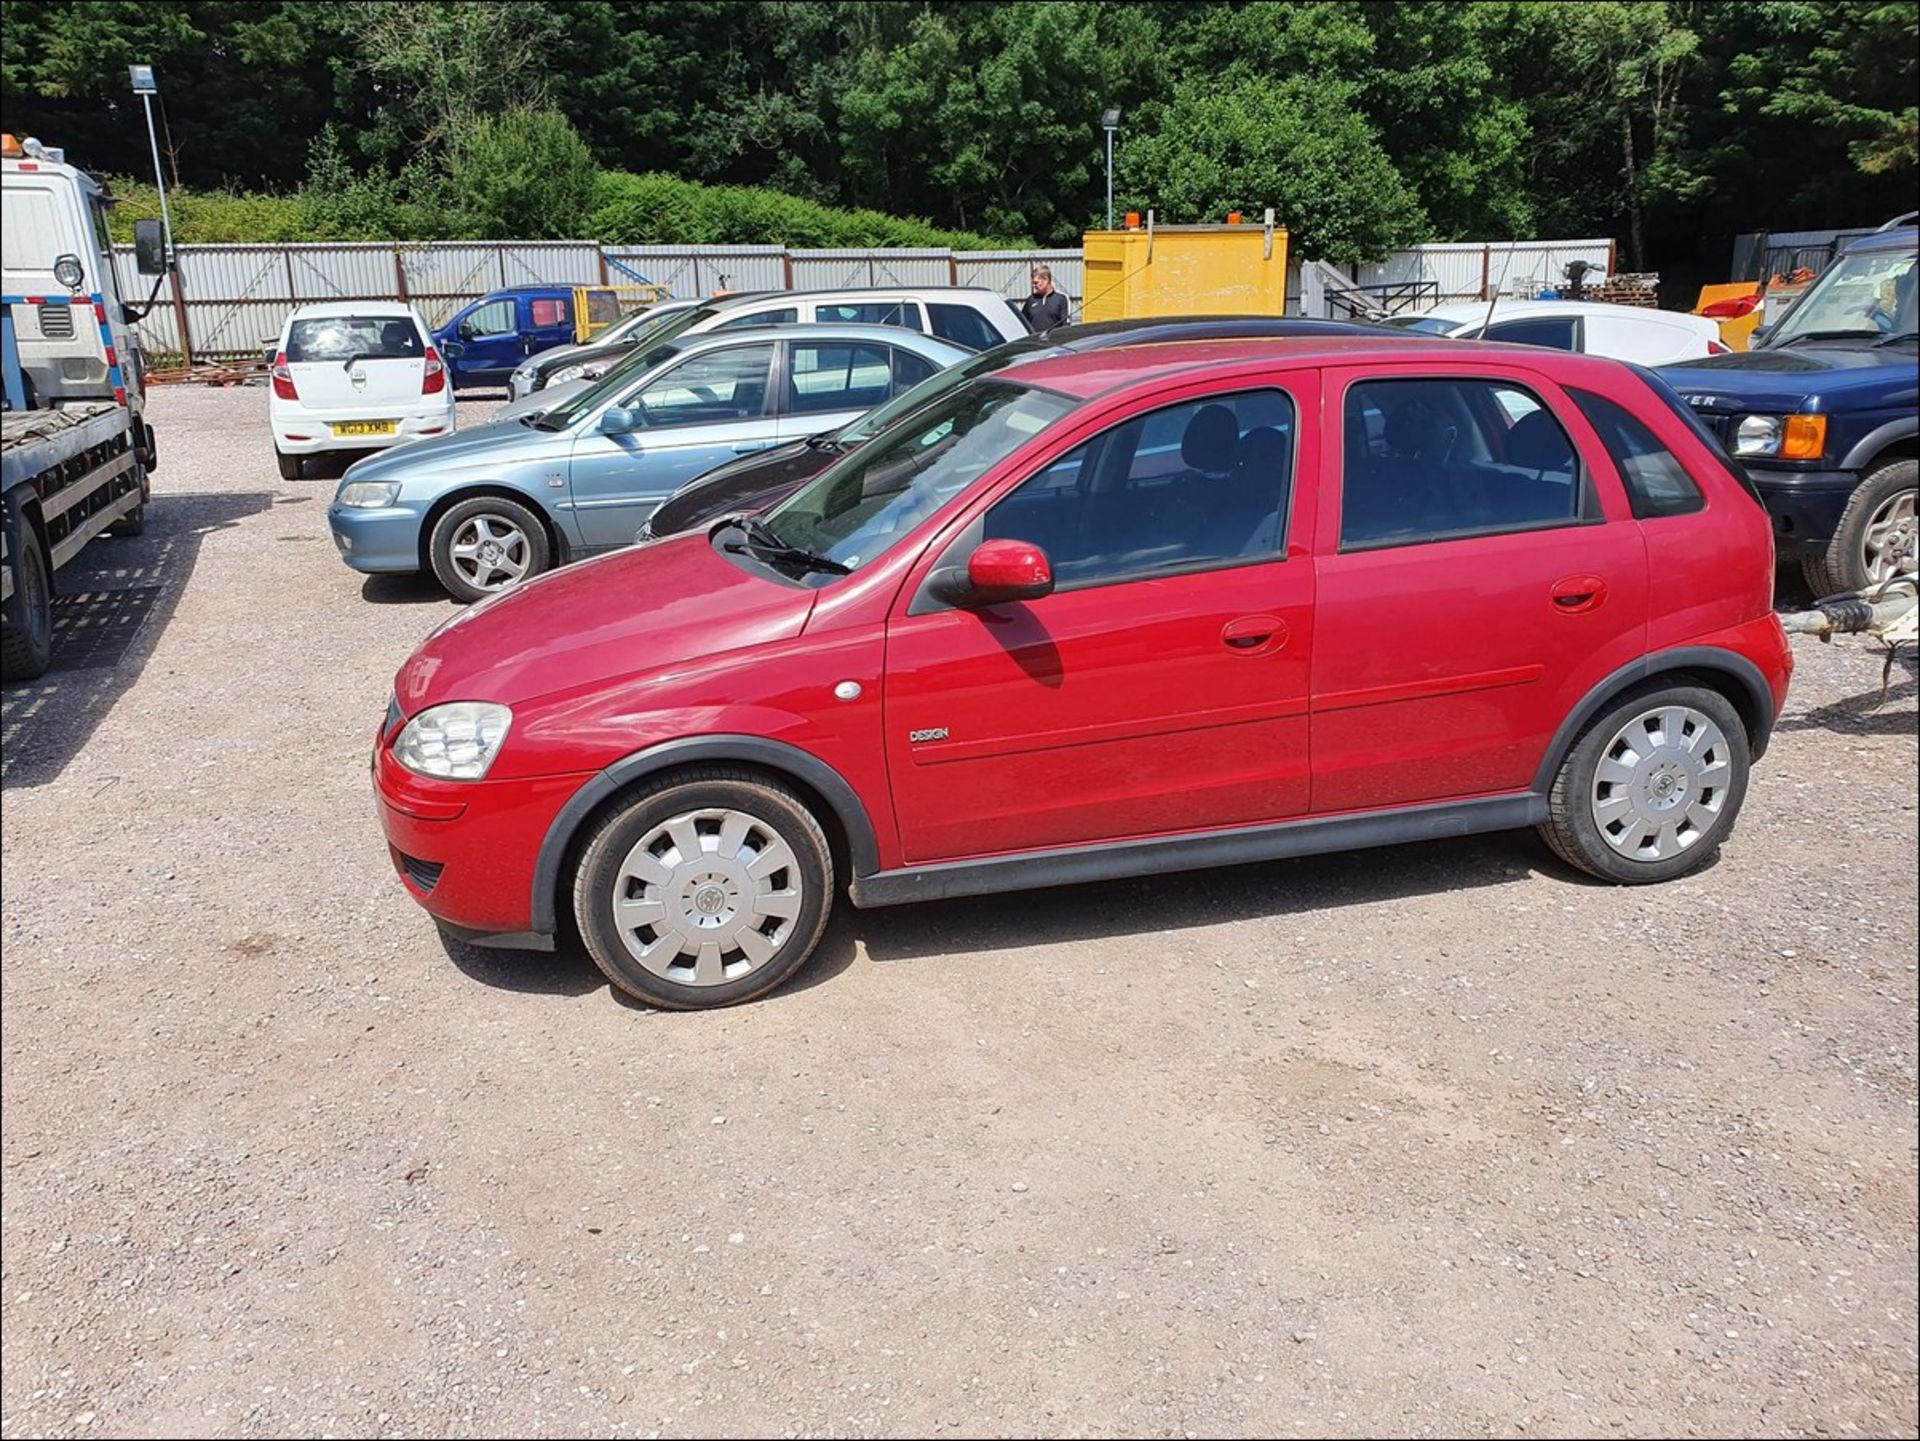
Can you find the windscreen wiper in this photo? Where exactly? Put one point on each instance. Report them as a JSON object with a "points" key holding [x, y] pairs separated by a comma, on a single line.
{"points": [[1896, 338], [1824, 335], [763, 542]]}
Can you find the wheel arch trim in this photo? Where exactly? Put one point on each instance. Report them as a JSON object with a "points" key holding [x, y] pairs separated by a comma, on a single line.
{"points": [[771, 755], [1867, 449], [1732, 664]]}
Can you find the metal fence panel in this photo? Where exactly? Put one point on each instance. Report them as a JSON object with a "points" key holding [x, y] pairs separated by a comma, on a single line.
{"points": [[691, 272], [1469, 270]]}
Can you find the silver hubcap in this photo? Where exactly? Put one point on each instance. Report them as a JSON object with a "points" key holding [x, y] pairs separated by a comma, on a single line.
{"points": [[490, 552], [1662, 783], [1892, 541], [707, 897]]}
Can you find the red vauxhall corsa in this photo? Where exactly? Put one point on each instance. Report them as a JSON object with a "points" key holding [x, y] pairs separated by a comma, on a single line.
{"points": [[1105, 614]]}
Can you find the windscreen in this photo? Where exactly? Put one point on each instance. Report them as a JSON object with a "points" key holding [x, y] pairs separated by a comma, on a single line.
{"points": [[644, 355]]}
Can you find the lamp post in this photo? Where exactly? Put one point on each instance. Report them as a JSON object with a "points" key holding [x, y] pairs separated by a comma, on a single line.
{"points": [[146, 89], [1110, 122]]}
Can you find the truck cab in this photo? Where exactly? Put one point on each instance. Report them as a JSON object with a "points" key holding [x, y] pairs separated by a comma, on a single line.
{"points": [[1821, 411], [485, 342]]}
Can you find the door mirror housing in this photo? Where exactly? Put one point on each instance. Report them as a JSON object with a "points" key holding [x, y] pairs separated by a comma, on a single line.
{"points": [[618, 420], [149, 247], [464, 330], [998, 571]]}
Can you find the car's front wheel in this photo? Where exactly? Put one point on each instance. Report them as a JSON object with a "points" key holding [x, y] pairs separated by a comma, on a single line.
{"points": [[486, 544], [1877, 533], [1652, 786], [704, 888]]}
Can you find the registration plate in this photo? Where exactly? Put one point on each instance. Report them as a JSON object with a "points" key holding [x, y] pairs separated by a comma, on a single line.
{"points": [[364, 427]]}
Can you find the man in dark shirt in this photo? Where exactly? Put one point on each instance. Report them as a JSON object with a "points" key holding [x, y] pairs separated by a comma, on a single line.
{"points": [[1046, 307]]}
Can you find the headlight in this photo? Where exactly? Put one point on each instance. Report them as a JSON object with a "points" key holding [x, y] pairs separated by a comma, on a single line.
{"points": [[67, 271], [453, 742], [1757, 435], [368, 494], [1788, 437], [566, 373]]}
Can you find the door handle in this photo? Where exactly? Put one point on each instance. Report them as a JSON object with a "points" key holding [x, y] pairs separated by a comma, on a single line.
{"points": [[1254, 634], [750, 447], [1575, 593]]}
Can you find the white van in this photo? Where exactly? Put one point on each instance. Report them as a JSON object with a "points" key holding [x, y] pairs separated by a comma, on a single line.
{"points": [[1590, 327], [355, 375]]}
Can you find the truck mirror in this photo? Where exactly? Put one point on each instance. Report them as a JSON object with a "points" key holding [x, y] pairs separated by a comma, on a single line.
{"points": [[149, 248]]}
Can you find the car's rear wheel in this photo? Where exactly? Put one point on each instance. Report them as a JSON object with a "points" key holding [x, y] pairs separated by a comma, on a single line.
{"points": [[289, 465], [704, 888], [1877, 533], [485, 545], [1652, 786]]}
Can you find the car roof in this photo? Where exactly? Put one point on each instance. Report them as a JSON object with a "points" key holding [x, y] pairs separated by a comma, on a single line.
{"points": [[912, 292], [1147, 330], [371, 309], [1463, 312], [1901, 237], [1086, 374], [822, 330]]}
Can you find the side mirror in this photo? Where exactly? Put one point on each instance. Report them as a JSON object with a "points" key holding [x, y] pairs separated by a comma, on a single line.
{"points": [[618, 420], [271, 351], [998, 571], [464, 330], [149, 247]]}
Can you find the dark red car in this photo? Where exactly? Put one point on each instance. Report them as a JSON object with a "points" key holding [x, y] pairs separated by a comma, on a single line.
{"points": [[1105, 614]]}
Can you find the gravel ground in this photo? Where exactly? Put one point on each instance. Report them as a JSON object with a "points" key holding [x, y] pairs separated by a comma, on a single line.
{"points": [[1433, 1140]]}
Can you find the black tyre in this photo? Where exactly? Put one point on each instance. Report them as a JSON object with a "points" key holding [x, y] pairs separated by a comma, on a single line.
{"points": [[26, 621], [133, 523], [290, 466], [487, 544], [1875, 531], [1652, 786], [704, 888]]}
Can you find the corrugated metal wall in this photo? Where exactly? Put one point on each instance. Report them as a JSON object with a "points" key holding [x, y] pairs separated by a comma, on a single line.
{"points": [[237, 297], [1472, 270]]}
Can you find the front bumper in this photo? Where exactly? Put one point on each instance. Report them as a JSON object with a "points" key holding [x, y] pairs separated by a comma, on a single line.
{"points": [[465, 850], [1805, 504], [310, 435], [385, 541]]}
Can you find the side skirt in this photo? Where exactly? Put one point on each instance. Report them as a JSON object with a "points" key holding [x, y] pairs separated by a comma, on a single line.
{"points": [[1112, 860]]}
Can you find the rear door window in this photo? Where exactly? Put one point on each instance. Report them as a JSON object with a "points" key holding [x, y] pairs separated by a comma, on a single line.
{"points": [[551, 310], [1556, 331], [834, 375], [963, 325], [786, 315], [1431, 460], [879, 312], [909, 370], [348, 337], [1657, 483]]}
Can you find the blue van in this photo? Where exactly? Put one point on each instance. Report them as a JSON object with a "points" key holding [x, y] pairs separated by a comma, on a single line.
{"points": [[485, 342]]}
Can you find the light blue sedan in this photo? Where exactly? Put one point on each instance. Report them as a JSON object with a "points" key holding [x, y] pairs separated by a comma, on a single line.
{"points": [[484, 509]]}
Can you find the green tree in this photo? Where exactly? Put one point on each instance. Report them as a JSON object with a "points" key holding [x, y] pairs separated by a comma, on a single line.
{"points": [[1299, 145], [524, 174]]}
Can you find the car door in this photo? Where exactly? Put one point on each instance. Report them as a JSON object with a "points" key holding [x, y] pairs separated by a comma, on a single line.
{"points": [[549, 323], [486, 342], [830, 382], [699, 411], [1162, 686], [1475, 578], [870, 310]]}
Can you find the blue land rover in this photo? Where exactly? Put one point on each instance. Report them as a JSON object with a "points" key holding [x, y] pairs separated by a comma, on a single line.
{"points": [[1824, 410]]}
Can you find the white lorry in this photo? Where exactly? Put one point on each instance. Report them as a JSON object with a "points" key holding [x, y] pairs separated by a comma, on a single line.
{"points": [[75, 449]]}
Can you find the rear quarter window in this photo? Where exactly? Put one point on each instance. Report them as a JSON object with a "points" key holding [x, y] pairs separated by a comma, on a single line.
{"points": [[1666, 395], [1657, 482]]}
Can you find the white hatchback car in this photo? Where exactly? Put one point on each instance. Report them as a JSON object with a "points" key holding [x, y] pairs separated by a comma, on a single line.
{"points": [[355, 375], [1591, 327]]}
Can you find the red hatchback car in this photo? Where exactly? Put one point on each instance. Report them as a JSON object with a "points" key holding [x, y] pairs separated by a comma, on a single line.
{"points": [[1106, 614]]}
